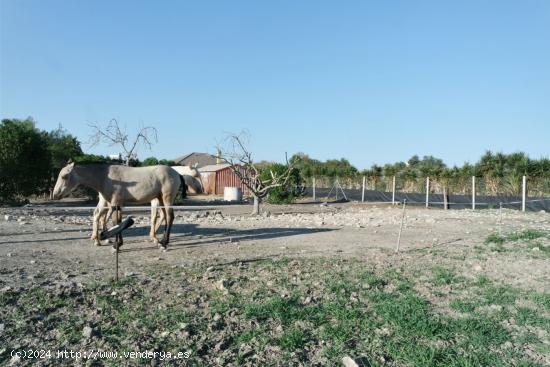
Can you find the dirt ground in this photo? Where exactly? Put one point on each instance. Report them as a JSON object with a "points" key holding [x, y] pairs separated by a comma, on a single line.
{"points": [[39, 243], [226, 275]]}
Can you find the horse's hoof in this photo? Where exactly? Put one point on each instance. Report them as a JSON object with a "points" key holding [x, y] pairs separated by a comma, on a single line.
{"points": [[97, 243], [162, 248]]}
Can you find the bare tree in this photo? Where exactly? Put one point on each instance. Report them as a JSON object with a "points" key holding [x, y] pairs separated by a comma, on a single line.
{"points": [[114, 134], [233, 150]]}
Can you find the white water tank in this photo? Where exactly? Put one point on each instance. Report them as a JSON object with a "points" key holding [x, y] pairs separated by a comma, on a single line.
{"points": [[232, 194]]}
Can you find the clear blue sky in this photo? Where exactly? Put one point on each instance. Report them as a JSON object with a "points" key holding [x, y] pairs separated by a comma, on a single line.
{"points": [[372, 81]]}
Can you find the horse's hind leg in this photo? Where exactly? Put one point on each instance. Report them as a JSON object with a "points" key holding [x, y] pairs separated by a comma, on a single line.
{"points": [[169, 219]]}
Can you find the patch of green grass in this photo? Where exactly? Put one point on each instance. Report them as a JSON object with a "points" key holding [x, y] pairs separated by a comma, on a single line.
{"points": [[463, 306], [482, 280], [500, 295], [444, 276], [293, 339], [530, 317], [341, 310], [525, 235], [280, 262], [495, 238], [528, 234], [542, 299]]}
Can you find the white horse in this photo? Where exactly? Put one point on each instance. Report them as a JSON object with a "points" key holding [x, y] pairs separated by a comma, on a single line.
{"points": [[121, 185], [192, 178], [103, 212]]}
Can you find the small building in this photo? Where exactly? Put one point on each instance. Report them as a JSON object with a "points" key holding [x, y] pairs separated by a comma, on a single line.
{"points": [[216, 177], [197, 160]]}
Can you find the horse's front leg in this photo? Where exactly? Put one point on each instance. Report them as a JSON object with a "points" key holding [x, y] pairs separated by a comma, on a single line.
{"points": [[154, 226], [99, 215]]}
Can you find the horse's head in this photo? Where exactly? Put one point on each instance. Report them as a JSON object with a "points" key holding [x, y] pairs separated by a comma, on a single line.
{"points": [[66, 182]]}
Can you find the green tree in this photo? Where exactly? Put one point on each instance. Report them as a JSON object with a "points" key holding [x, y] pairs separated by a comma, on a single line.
{"points": [[167, 162], [93, 158], [25, 160], [63, 147], [150, 161], [287, 193]]}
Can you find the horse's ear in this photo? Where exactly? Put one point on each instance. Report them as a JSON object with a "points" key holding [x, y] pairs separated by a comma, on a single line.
{"points": [[70, 161]]}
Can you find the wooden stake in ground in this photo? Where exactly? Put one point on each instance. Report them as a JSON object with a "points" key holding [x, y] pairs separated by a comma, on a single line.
{"points": [[401, 226]]}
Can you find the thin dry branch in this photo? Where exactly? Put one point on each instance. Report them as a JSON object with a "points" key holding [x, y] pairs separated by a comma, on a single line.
{"points": [[113, 134], [234, 152]]}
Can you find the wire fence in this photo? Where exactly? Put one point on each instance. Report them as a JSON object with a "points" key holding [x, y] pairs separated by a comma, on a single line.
{"points": [[532, 193]]}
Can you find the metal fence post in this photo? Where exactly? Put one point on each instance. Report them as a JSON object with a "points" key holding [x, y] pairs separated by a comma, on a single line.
{"points": [[473, 192], [427, 191], [524, 193], [393, 192], [314, 196], [363, 193]]}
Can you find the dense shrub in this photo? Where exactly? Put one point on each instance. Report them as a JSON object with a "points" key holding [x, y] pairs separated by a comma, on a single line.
{"points": [[25, 161], [286, 194]]}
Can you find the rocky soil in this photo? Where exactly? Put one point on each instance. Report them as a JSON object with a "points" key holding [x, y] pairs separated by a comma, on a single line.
{"points": [[222, 257]]}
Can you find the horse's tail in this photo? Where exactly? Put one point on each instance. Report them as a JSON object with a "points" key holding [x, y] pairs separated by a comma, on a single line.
{"points": [[183, 187]]}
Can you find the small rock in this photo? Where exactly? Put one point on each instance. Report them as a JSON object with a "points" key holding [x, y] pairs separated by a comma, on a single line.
{"points": [[349, 362], [33, 261], [535, 249], [7, 218], [87, 332], [217, 317]]}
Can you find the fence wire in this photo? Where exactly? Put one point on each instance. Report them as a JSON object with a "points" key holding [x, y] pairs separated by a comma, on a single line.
{"points": [[489, 193]]}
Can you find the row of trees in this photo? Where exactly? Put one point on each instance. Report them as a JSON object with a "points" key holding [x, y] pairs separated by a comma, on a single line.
{"points": [[30, 158], [498, 173]]}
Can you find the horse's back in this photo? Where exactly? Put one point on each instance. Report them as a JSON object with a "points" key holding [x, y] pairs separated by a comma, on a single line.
{"points": [[142, 184]]}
